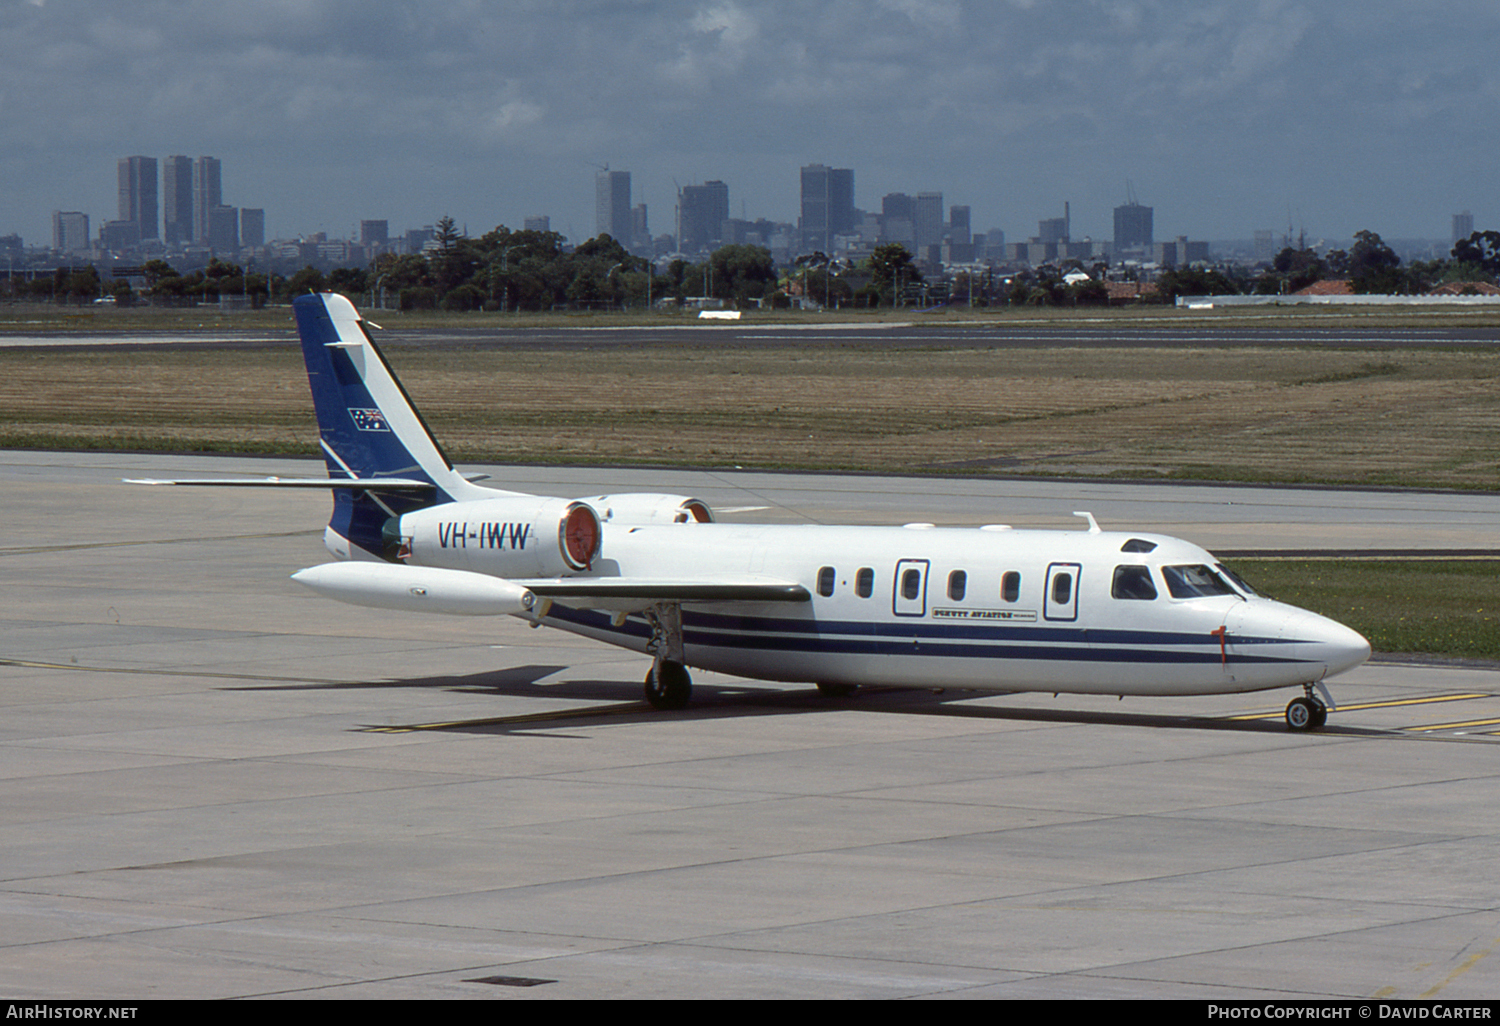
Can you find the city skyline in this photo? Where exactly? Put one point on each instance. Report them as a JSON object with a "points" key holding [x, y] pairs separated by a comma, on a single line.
{"points": [[1226, 118]]}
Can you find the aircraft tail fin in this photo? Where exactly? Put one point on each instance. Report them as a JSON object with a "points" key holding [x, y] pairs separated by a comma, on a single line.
{"points": [[368, 429]]}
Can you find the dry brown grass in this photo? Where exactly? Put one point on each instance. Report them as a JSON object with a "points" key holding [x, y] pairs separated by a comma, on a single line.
{"points": [[1414, 417]]}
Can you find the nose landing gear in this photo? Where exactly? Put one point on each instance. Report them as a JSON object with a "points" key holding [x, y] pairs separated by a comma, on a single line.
{"points": [[1306, 713]]}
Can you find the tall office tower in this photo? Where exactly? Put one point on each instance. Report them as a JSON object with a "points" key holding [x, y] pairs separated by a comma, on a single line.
{"points": [[224, 229], [897, 213], [612, 205], [958, 226], [538, 223], [701, 213], [1463, 226], [1052, 229], [177, 201], [208, 193], [253, 226], [70, 231], [1133, 227], [827, 205], [137, 177], [640, 231], [927, 221], [371, 233]]}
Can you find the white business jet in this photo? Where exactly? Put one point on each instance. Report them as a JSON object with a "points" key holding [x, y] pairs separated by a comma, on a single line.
{"points": [[988, 608]]}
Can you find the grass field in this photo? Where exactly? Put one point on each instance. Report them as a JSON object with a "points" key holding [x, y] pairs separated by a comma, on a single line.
{"points": [[1428, 417], [1439, 607]]}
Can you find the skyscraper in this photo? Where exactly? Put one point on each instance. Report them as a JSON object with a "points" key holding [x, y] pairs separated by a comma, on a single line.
{"points": [[612, 205], [827, 205], [224, 229], [137, 178], [208, 193], [1463, 226], [927, 221], [252, 226], [701, 213], [1133, 227], [177, 197]]}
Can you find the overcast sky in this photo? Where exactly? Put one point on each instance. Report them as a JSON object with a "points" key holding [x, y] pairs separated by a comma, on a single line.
{"points": [[1227, 116]]}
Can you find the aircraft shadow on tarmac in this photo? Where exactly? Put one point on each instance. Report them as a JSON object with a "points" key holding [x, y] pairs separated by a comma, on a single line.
{"points": [[715, 701]]}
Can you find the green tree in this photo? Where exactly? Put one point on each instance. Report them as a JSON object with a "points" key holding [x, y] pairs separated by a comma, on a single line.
{"points": [[1373, 266], [891, 268]]}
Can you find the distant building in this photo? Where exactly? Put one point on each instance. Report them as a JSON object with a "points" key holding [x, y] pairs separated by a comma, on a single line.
{"points": [[639, 242], [371, 233], [138, 195], [898, 220], [208, 193], [927, 221], [827, 206], [224, 229], [177, 205], [612, 205], [1133, 231], [538, 223], [1265, 246], [119, 236], [701, 213], [958, 226], [70, 231], [252, 226], [1463, 226]]}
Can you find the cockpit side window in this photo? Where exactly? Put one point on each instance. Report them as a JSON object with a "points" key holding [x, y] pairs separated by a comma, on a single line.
{"points": [[1133, 582], [1194, 581]]}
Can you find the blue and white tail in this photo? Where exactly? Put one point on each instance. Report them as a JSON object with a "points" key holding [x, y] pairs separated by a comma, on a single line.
{"points": [[369, 432]]}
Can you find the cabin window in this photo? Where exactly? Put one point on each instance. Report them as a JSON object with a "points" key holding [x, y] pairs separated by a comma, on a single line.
{"points": [[864, 582], [1133, 582], [911, 584], [958, 583], [1194, 582], [1010, 586], [1062, 589], [825, 581]]}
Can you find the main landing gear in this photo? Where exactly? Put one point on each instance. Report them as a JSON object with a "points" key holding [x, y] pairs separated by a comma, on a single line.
{"points": [[668, 684], [1306, 713]]}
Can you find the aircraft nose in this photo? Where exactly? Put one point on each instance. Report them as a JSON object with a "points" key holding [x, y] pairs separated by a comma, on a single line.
{"points": [[1340, 647], [1305, 637]]}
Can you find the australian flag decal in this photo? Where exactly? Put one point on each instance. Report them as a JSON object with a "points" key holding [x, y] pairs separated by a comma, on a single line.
{"points": [[368, 420]]}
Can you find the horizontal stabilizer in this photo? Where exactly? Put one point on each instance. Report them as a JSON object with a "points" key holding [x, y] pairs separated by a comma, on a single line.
{"points": [[367, 484]]}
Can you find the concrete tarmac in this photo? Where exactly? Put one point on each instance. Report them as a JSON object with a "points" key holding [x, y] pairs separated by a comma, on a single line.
{"points": [[216, 784]]}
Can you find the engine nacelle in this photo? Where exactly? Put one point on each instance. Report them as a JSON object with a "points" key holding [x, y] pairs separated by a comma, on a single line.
{"points": [[647, 509], [522, 536]]}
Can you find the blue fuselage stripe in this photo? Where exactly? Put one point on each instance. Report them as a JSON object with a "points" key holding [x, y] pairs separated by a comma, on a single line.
{"points": [[892, 638]]}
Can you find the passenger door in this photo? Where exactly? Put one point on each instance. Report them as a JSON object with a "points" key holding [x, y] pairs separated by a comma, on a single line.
{"points": [[911, 588], [1060, 601]]}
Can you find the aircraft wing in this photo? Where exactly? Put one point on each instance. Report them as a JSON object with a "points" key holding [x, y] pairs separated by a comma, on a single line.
{"points": [[628, 594]]}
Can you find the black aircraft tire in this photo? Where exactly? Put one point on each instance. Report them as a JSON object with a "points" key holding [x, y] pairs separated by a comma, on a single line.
{"points": [[669, 686], [1302, 714]]}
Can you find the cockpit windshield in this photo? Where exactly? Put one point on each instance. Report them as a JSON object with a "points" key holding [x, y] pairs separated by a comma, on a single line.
{"points": [[1238, 581], [1195, 581]]}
